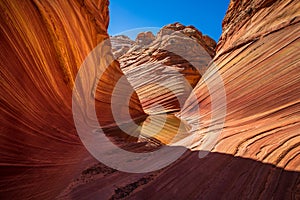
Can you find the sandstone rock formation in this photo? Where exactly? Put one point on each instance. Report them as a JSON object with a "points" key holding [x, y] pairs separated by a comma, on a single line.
{"points": [[164, 69], [120, 45], [43, 44], [145, 38], [258, 61]]}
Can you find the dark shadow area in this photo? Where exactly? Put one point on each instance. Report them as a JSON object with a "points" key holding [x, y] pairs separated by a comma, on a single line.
{"points": [[217, 176]]}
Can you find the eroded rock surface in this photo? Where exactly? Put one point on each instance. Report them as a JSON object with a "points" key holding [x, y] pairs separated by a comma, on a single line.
{"points": [[43, 44], [164, 69], [258, 60], [120, 45]]}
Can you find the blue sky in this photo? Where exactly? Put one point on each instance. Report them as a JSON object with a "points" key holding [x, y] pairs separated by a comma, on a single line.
{"points": [[205, 15]]}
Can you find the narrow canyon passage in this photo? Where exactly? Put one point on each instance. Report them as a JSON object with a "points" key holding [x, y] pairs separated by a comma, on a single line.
{"points": [[43, 46]]}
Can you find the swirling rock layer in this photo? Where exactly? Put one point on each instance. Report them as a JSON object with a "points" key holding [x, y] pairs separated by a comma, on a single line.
{"points": [[259, 65], [120, 44], [164, 70], [43, 44]]}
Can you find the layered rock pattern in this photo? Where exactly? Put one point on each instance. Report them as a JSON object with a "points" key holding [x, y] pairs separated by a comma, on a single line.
{"points": [[43, 44], [259, 64], [120, 44], [164, 70], [259, 67]]}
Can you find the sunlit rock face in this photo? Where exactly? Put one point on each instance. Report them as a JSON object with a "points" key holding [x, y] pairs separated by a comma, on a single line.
{"points": [[144, 38], [120, 44], [164, 129], [258, 60], [164, 69], [43, 44]]}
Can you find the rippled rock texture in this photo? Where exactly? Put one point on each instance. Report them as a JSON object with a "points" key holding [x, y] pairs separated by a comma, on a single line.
{"points": [[258, 60], [164, 69], [43, 44], [120, 44]]}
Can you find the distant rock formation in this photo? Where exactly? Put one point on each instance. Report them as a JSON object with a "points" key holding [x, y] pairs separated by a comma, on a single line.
{"points": [[145, 38], [44, 43], [204, 40], [120, 45], [182, 52]]}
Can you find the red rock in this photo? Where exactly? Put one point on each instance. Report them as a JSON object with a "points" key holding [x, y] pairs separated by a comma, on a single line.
{"points": [[257, 59], [256, 156], [165, 69], [43, 44]]}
